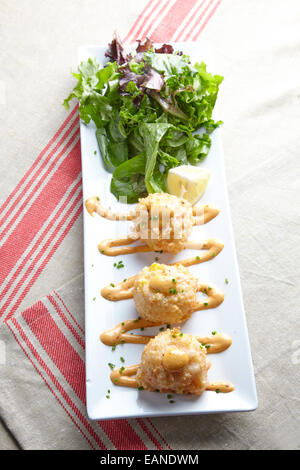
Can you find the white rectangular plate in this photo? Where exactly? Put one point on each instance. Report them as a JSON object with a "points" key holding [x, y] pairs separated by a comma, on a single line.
{"points": [[234, 365]]}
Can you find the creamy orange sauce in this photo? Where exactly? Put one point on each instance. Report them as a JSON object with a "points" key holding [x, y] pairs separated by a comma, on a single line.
{"points": [[215, 343], [120, 291], [125, 378], [212, 246], [115, 246], [93, 204], [118, 335], [214, 298], [123, 290], [223, 387], [204, 214], [174, 358]]}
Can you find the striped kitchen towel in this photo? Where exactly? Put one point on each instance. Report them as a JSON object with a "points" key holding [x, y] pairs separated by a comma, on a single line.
{"points": [[43, 207], [43, 399]]}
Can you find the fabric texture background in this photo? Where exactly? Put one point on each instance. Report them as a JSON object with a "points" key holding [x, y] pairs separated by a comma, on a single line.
{"points": [[256, 47]]}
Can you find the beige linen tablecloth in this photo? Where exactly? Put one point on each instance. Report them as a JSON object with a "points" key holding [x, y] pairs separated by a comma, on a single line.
{"points": [[256, 45]]}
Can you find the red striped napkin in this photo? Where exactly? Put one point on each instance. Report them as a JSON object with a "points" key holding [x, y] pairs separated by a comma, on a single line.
{"points": [[48, 345], [52, 338]]}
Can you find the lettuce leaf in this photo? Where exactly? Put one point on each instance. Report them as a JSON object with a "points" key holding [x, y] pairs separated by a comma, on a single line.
{"points": [[128, 179], [146, 107], [152, 134]]}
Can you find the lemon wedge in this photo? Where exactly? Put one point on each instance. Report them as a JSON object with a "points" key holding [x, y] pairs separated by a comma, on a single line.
{"points": [[188, 182]]}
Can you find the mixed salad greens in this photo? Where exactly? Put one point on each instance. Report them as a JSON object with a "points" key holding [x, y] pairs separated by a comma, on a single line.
{"points": [[146, 107]]}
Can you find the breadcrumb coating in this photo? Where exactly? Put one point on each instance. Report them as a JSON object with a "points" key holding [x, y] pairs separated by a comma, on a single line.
{"points": [[165, 294], [154, 373], [164, 222]]}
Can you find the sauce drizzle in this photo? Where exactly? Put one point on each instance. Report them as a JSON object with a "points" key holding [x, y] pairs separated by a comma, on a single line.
{"points": [[118, 335], [115, 247], [93, 204], [122, 290], [126, 379]]}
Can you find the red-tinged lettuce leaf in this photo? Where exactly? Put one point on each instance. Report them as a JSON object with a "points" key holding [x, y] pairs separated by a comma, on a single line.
{"points": [[153, 80], [128, 76], [165, 49], [116, 52], [134, 84], [148, 44], [144, 46]]}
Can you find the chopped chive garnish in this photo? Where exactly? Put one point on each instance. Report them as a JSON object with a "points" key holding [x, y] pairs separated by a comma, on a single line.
{"points": [[168, 326], [181, 334], [161, 329], [142, 329], [171, 401], [112, 366], [121, 369], [94, 298], [98, 198], [119, 265], [172, 291], [115, 380], [123, 323], [140, 388], [112, 285], [206, 304], [174, 280], [122, 359], [124, 280], [226, 280], [107, 396], [213, 333], [95, 152], [174, 336], [217, 390], [197, 258], [102, 251]]}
